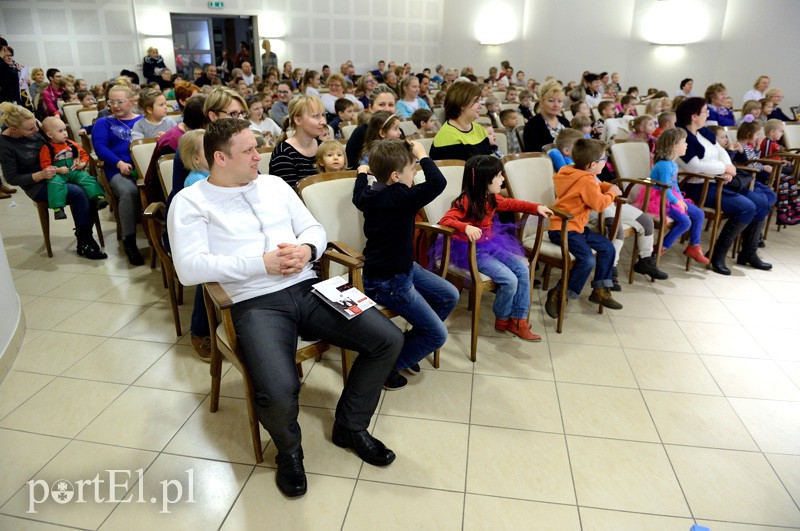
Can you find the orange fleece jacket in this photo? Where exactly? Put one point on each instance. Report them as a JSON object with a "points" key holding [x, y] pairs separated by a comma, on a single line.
{"points": [[578, 192], [62, 151]]}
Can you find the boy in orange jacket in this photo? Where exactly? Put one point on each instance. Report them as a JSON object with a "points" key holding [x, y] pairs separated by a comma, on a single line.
{"points": [[579, 192], [70, 159]]}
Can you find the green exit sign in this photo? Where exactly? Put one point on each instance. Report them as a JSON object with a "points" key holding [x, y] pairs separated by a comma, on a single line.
{"points": [[216, 5]]}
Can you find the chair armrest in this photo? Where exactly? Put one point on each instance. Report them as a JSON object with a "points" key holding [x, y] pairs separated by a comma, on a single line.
{"points": [[218, 295], [747, 168], [342, 259], [152, 208], [434, 228], [770, 162], [343, 248], [620, 200], [561, 213], [703, 176]]}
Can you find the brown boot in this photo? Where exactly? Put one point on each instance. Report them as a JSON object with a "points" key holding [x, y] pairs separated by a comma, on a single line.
{"points": [[602, 296], [202, 347], [4, 195], [7, 189], [521, 329], [501, 325]]}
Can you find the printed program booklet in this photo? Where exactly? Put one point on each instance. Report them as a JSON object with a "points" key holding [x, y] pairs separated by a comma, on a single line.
{"points": [[343, 297]]}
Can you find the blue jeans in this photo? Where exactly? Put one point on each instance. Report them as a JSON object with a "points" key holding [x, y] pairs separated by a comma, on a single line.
{"points": [[581, 246], [511, 274], [422, 298], [267, 328], [744, 206], [78, 203], [692, 219]]}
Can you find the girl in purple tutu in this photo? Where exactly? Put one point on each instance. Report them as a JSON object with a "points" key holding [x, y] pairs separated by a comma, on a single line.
{"points": [[499, 252]]}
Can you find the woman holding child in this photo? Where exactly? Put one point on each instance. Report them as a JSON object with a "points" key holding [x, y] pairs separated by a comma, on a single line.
{"points": [[543, 128], [20, 144], [746, 209]]}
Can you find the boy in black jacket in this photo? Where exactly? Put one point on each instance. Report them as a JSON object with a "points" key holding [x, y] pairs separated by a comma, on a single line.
{"points": [[391, 277]]}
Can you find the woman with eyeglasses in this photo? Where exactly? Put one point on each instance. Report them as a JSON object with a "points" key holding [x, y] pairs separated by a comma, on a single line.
{"points": [[336, 84], [111, 137], [20, 144]]}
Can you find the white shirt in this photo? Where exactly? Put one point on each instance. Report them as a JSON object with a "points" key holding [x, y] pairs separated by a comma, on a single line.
{"points": [[267, 125], [713, 162], [250, 80], [220, 234], [753, 94], [329, 101]]}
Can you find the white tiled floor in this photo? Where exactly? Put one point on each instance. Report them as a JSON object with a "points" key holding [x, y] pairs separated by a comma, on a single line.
{"points": [[682, 408]]}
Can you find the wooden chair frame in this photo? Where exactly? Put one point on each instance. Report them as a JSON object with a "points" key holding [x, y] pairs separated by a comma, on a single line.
{"points": [[155, 214]]}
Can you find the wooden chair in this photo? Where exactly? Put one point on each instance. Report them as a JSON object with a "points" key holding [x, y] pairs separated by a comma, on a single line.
{"points": [[164, 170], [530, 178], [155, 214], [141, 152], [70, 111], [347, 130], [520, 132], [328, 196], [502, 141], [713, 214], [476, 282], [426, 142], [44, 220], [86, 117], [224, 343], [791, 137], [507, 106]]}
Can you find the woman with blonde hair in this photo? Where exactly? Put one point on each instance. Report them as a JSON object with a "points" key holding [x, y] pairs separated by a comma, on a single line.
{"points": [[295, 157], [759, 90], [544, 127], [20, 144], [152, 65]]}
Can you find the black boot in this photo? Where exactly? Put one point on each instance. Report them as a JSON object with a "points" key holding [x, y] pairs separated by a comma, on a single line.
{"points": [[134, 257], [751, 235], [724, 241], [87, 247], [647, 266]]}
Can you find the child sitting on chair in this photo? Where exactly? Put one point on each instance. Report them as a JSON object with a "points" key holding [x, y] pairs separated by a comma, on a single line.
{"points": [[71, 160], [425, 122], [508, 118], [391, 277], [190, 150], [331, 156]]}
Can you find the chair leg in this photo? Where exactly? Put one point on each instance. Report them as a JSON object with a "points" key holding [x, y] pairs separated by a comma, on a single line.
{"points": [[216, 376], [563, 304], [173, 300], [436, 358], [99, 229], [255, 434], [475, 302], [299, 369], [634, 254], [545, 277], [44, 219]]}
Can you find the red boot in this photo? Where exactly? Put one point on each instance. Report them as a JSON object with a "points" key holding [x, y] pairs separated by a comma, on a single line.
{"points": [[501, 325], [521, 329], [695, 252]]}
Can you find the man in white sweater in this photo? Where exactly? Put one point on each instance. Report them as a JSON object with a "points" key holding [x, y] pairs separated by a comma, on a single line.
{"points": [[253, 235]]}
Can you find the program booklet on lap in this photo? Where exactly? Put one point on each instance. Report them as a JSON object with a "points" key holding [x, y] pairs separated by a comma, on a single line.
{"points": [[343, 297]]}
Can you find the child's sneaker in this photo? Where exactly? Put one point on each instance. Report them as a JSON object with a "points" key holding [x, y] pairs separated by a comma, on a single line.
{"points": [[787, 219], [647, 266], [602, 296], [100, 202], [395, 381], [59, 213], [695, 252], [521, 329]]}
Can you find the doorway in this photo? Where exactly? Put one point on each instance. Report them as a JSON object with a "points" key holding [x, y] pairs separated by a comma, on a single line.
{"points": [[199, 40]]}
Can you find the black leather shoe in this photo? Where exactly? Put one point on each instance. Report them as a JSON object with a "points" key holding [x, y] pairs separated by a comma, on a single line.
{"points": [[754, 261], [291, 476], [718, 266], [365, 445]]}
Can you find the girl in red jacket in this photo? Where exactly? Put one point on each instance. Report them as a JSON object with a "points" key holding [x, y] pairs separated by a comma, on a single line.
{"points": [[499, 252]]}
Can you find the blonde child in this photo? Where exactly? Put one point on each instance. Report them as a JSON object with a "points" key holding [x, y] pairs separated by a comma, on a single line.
{"points": [[583, 124], [666, 120], [561, 154], [684, 214], [155, 121], [382, 124], [70, 160], [751, 111], [509, 121], [331, 157], [499, 253], [493, 110], [262, 123], [190, 149], [654, 107], [580, 108], [643, 128]]}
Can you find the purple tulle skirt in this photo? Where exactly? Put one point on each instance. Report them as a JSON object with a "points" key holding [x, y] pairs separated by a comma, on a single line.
{"points": [[503, 237]]}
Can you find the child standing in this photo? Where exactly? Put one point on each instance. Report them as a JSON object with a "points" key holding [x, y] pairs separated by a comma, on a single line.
{"points": [[70, 159], [579, 193], [685, 215], [331, 156], [499, 252], [155, 122], [391, 277]]}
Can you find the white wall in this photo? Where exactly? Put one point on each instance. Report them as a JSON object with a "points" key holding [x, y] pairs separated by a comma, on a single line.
{"points": [[96, 38], [743, 40]]}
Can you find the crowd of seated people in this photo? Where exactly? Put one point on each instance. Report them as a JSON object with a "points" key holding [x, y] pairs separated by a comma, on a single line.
{"points": [[290, 110]]}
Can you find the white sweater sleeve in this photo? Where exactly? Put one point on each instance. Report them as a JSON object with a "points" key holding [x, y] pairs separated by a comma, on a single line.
{"points": [[713, 162]]}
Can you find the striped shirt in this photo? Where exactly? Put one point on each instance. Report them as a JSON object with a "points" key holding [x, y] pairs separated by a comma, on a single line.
{"points": [[291, 165]]}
